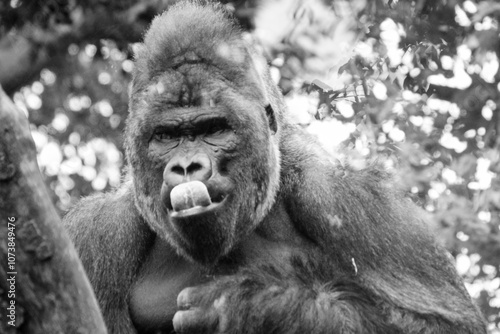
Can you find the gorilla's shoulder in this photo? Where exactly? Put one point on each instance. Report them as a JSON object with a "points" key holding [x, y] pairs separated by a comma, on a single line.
{"points": [[95, 216]]}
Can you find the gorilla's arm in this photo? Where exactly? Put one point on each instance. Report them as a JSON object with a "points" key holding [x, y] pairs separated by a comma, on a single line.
{"points": [[111, 240], [378, 237], [263, 299]]}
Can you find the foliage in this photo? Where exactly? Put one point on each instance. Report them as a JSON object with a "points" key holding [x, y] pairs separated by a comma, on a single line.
{"points": [[415, 83]]}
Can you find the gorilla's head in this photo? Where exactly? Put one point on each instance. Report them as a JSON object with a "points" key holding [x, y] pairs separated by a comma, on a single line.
{"points": [[202, 134]]}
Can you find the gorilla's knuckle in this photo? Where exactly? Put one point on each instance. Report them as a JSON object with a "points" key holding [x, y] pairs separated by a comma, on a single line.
{"points": [[220, 304], [187, 298], [195, 321], [183, 321]]}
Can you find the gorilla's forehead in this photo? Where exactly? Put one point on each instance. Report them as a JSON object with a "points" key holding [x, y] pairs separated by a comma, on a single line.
{"points": [[194, 85], [174, 95], [174, 89], [189, 78]]}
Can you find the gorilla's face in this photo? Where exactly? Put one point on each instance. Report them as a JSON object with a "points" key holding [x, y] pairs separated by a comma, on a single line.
{"points": [[204, 159]]}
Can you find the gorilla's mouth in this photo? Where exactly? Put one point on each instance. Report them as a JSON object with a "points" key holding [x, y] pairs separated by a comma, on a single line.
{"points": [[192, 198]]}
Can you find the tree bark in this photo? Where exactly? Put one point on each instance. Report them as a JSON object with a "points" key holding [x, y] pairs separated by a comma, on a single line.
{"points": [[43, 287]]}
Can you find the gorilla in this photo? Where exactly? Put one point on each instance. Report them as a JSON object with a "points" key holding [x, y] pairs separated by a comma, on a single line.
{"points": [[233, 220]]}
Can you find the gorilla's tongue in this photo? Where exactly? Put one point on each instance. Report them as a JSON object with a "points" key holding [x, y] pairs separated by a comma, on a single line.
{"points": [[188, 195]]}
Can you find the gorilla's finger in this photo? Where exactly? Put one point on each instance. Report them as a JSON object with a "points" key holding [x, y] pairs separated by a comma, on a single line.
{"points": [[195, 320], [188, 297]]}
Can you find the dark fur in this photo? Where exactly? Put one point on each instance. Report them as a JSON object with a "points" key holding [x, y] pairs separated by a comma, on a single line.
{"points": [[304, 244]]}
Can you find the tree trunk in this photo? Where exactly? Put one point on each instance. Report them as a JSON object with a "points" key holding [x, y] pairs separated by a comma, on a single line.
{"points": [[43, 287]]}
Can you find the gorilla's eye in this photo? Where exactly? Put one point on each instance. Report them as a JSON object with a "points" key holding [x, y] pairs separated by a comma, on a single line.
{"points": [[215, 126], [163, 134]]}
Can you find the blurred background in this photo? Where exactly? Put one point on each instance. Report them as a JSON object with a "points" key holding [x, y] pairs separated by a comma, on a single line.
{"points": [[413, 83]]}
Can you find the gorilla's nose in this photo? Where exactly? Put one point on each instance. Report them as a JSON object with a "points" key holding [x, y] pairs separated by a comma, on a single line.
{"points": [[182, 169]]}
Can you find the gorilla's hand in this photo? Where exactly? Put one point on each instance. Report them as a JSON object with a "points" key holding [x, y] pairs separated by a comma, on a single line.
{"points": [[202, 309]]}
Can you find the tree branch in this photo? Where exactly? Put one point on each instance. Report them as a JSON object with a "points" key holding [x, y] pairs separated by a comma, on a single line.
{"points": [[43, 287]]}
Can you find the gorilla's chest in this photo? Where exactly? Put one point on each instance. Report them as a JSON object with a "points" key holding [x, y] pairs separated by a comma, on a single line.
{"points": [[153, 298], [164, 274]]}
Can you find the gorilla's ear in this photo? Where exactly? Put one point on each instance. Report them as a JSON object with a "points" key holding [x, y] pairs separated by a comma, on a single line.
{"points": [[271, 118]]}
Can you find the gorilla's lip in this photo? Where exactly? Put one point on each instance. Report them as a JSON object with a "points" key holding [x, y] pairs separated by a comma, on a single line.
{"points": [[197, 210]]}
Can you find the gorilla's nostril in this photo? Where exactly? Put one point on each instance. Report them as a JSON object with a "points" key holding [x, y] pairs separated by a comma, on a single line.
{"points": [[194, 167], [178, 170], [200, 168]]}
